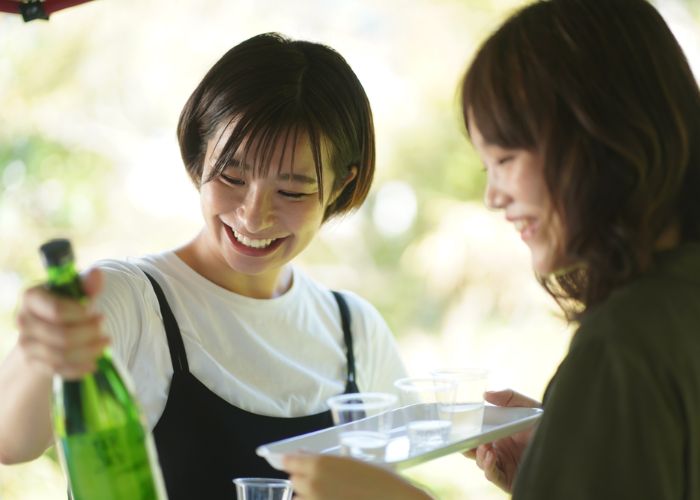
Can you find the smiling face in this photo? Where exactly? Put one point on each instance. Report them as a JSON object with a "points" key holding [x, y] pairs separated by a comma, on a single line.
{"points": [[255, 224], [516, 185]]}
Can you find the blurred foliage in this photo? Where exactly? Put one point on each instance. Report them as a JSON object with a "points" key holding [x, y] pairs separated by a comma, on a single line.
{"points": [[438, 161], [694, 7], [54, 71], [52, 188]]}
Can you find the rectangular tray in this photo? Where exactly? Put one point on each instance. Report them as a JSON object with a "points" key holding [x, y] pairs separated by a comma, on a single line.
{"points": [[498, 423]]}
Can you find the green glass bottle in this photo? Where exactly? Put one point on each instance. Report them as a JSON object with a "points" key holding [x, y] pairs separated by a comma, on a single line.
{"points": [[104, 447]]}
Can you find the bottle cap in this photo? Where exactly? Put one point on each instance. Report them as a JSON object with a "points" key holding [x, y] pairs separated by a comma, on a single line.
{"points": [[56, 252]]}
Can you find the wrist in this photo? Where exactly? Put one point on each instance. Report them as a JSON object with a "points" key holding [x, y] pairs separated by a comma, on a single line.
{"points": [[35, 372]]}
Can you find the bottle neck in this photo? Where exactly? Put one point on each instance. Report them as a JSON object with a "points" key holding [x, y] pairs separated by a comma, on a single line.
{"points": [[65, 280]]}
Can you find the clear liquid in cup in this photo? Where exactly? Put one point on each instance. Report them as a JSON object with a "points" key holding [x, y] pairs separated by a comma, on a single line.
{"points": [[427, 434], [263, 488], [466, 418], [364, 445]]}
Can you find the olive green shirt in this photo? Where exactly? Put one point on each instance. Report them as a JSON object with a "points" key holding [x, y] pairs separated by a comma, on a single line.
{"points": [[622, 414]]}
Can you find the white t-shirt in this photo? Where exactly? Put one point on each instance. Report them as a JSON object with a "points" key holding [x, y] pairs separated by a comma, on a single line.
{"points": [[280, 357]]}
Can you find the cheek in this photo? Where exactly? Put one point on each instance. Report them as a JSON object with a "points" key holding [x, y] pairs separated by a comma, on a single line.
{"points": [[534, 191], [307, 214], [215, 198], [205, 199]]}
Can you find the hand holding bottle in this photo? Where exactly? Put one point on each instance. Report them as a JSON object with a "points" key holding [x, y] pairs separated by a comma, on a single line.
{"points": [[62, 335], [104, 447]]}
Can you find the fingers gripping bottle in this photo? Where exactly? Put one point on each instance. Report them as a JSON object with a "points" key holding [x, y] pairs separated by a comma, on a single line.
{"points": [[105, 450]]}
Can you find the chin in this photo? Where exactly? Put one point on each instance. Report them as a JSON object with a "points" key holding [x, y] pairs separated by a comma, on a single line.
{"points": [[542, 265]]}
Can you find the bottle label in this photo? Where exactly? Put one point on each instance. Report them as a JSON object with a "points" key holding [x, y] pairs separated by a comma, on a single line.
{"points": [[110, 464]]}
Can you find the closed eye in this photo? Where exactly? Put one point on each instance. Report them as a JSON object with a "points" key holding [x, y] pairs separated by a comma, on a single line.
{"points": [[293, 195], [234, 181], [504, 160]]}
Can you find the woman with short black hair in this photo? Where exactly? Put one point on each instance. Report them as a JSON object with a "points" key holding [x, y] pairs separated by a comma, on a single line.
{"points": [[230, 345]]}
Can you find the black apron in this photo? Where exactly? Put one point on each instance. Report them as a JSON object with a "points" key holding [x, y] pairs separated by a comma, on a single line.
{"points": [[204, 442]]}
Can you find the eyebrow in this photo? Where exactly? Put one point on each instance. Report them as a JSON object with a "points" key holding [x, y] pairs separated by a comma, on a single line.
{"points": [[304, 179]]}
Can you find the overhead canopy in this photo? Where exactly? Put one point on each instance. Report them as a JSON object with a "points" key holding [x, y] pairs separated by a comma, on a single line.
{"points": [[36, 9]]}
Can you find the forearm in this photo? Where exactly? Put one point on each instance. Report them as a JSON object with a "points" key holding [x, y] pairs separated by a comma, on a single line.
{"points": [[25, 424], [413, 492]]}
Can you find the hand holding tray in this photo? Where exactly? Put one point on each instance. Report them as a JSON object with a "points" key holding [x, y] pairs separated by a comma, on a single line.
{"points": [[499, 422]]}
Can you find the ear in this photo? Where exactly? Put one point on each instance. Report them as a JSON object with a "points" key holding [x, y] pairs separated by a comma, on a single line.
{"points": [[352, 173]]}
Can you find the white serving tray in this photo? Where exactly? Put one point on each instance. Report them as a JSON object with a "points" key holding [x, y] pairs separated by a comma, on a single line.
{"points": [[498, 423]]}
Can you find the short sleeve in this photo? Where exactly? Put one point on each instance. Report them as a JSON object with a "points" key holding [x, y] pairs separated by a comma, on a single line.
{"points": [[608, 431], [122, 302]]}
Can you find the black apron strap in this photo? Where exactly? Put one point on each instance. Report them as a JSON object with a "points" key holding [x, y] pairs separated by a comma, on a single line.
{"points": [[178, 356], [351, 384]]}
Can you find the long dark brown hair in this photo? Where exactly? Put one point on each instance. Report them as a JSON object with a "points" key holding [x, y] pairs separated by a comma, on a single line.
{"points": [[602, 90], [271, 89]]}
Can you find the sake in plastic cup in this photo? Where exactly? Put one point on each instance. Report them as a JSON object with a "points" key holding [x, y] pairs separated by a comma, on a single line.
{"points": [[430, 425], [263, 488], [363, 439], [468, 408]]}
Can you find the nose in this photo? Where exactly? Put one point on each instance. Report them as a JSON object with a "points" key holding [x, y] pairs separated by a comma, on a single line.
{"points": [[256, 212], [495, 197]]}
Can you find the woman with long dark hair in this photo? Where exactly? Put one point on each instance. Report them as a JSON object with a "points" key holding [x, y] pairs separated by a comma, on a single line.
{"points": [[586, 116]]}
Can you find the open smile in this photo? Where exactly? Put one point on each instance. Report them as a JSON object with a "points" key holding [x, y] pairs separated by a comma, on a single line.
{"points": [[526, 227], [250, 246]]}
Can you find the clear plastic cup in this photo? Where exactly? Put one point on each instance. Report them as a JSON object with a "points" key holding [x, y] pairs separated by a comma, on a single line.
{"points": [[468, 408], [263, 488], [360, 438], [431, 420]]}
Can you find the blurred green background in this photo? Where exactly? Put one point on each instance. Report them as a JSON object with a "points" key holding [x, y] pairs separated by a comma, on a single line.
{"points": [[89, 104]]}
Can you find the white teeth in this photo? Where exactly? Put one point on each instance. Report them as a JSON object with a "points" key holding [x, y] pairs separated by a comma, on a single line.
{"points": [[251, 243], [520, 224]]}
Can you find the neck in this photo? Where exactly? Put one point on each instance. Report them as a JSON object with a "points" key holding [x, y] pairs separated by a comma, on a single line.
{"points": [[266, 285]]}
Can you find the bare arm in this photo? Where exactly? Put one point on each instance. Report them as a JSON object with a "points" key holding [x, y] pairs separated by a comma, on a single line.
{"points": [[329, 477], [56, 336], [25, 431]]}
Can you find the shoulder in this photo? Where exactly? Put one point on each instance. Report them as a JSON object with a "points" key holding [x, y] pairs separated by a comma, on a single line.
{"points": [[360, 306], [645, 331], [121, 276], [657, 311], [362, 311], [364, 315], [631, 370], [131, 310], [126, 288], [131, 272], [309, 289]]}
